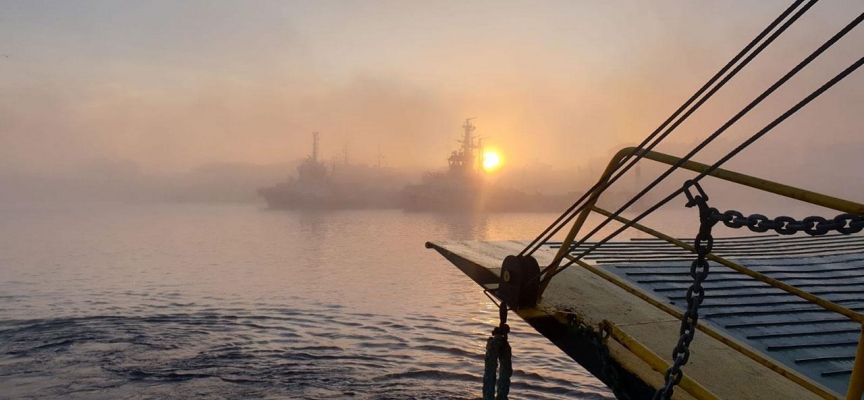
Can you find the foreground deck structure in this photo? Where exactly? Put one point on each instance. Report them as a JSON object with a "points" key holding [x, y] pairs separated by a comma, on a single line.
{"points": [[754, 337], [781, 317]]}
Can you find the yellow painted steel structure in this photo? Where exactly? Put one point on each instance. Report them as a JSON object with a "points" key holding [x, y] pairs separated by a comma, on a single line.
{"points": [[856, 383], [856, 386], [752, 354], [656, 362], [645, 354]]}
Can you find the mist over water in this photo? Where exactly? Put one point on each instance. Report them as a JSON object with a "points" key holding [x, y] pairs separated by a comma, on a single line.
{"points": [[178, 301], [125, 99], [136, 259]]}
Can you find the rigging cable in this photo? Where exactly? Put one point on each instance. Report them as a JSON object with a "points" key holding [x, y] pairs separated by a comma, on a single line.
{"points": [[717, 133], [843, 74], [572, 211]]}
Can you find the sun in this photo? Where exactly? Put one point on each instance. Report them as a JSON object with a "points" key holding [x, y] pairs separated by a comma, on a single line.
{"points": [[491, 160]]}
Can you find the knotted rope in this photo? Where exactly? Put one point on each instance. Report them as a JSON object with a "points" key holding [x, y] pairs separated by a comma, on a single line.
{"points": [[498, 353]]}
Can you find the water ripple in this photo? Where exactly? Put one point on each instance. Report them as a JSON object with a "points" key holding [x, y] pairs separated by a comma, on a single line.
{"points": [[180, 303], [265, 351]]}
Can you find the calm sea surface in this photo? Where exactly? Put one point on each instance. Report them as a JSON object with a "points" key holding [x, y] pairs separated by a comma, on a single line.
{"points": [[180, 301]]}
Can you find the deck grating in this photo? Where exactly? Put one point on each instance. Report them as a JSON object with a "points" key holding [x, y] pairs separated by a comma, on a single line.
{"points": [[802, 336]]}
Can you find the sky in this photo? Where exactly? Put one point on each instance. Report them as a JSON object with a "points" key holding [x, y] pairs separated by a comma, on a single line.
{"points": [[168, 86]]}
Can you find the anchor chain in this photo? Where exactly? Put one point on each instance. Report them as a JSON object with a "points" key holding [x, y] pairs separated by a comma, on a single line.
{"points": [[695, 294], [609, 375], [813, 226]]}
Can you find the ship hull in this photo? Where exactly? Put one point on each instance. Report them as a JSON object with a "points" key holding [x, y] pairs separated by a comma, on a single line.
{"points": [[429, 198], [289, 197]]}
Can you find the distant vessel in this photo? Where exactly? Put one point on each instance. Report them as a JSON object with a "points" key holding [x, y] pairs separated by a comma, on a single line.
{"points": [[465, 188], [319, 188]]}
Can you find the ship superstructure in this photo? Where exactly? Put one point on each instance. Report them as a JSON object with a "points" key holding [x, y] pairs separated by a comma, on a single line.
{"points": [[318, 187], [464, 187], [467, 160], [312, 170]]}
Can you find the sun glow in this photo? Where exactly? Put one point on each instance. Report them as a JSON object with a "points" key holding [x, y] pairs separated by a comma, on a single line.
{"points": [[491, 160]]}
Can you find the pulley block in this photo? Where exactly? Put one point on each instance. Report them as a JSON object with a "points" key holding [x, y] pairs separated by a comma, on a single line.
{"points": [[520, 281]]}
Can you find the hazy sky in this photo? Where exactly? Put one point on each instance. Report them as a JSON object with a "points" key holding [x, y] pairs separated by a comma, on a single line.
{"points": [[170, 85]]}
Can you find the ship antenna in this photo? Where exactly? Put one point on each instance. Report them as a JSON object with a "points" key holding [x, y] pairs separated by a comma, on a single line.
{"points": [[315, 146], [468, 140], [478, 162]]}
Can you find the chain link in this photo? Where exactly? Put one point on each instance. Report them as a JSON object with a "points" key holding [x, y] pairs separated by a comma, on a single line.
{"points": [[813, 226], [695, 294], [708, 217]]}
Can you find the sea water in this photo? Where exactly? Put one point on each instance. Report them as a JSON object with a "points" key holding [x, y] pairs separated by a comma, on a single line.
{"points": [[236, 301]]}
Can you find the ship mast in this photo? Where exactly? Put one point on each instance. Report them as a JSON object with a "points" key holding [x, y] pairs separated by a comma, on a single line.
{"points": [[478, 161], [465, 161], [468, 139], [315, 146], [379, 156]]}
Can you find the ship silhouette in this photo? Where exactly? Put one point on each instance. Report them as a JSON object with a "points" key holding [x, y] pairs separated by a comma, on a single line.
{"points": [[320, 187], [466, 187]]}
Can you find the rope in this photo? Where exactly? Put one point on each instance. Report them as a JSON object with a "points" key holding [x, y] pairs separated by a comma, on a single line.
{"points": [[723, 128], [572, 211], [498, 352], [497, 349]]}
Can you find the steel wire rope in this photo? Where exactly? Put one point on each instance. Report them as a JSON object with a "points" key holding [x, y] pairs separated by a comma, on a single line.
{"points": [[572, 211], [713, 136], [723, 160], [720, 162]]}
